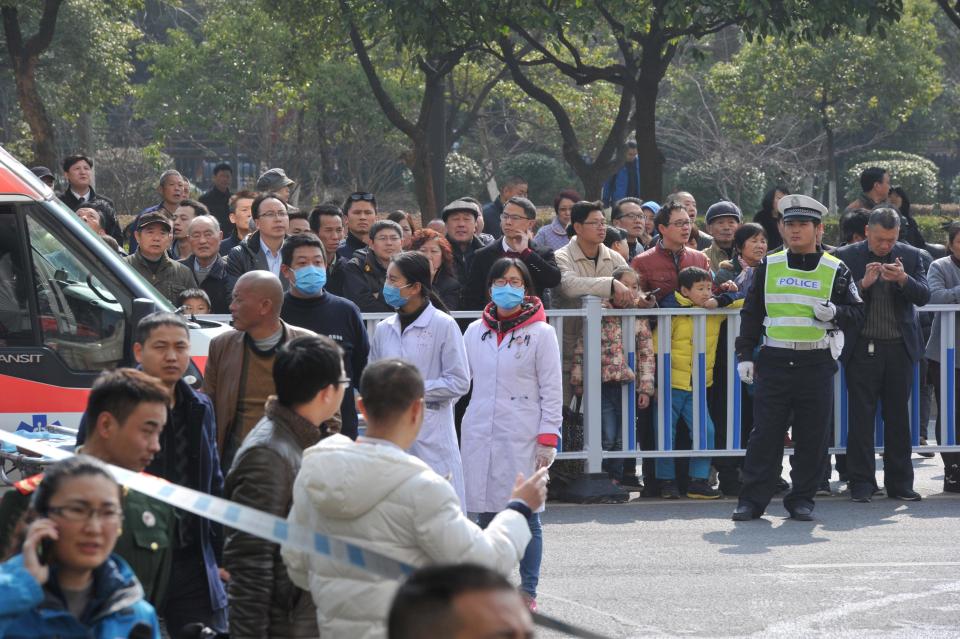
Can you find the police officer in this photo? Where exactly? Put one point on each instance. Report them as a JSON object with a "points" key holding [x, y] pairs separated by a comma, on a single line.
{"points": [[801, 302]]}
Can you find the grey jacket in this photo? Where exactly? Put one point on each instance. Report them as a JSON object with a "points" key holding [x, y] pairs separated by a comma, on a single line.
{"points": [[263, 600], [943, 278]]}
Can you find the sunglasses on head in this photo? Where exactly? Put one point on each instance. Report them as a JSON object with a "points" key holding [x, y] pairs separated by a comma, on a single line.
{"points": [[366, 197]]}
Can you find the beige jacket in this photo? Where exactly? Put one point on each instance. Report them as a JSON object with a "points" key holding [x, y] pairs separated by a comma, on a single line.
{"points": [[580, 276]]}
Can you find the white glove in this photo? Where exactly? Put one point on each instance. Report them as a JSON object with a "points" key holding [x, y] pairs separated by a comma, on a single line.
{"points": [[825, 312], [745, 371], [545, 456]]}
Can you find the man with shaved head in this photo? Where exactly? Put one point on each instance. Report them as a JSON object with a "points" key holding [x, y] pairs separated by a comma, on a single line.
{"points": [[239, 373]]}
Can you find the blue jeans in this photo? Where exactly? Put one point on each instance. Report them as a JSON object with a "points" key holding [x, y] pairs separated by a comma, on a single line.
{"points": [[682, 405], [611, 434], [532, 556]]}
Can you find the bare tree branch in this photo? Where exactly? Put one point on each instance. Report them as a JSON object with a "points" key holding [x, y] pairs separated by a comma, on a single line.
{"points": [[953, 12]]}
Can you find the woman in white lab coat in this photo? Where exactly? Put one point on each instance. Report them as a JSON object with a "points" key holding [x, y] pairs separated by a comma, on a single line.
{"points": [[430, 339], [512, 424]]}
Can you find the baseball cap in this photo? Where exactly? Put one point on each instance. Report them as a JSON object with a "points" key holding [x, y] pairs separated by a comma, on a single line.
{"points": [[42, 172], [653, 206], [723, 208], [154, 217]]}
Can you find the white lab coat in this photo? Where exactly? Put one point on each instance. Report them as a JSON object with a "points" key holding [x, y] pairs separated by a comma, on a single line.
{"points": [[517, 395], [433, 343]]}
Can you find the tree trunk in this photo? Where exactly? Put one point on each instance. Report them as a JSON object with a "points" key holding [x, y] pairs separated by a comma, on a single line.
{"points": [[420, 164], [645, 126], [41, 128], [592, 184], [24, 55], [436, 125]]}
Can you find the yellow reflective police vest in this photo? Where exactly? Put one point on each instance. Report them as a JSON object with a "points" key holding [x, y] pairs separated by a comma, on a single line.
{"points": [[790, 295]]}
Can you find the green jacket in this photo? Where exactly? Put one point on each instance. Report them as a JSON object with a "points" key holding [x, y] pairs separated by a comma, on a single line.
{"points": [[170, 278], [146, 542]]}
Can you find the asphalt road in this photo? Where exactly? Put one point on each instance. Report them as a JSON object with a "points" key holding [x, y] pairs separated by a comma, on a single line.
{"points": [[651, 568]]}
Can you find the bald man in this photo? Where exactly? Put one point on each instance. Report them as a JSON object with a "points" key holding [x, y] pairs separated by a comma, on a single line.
{"points": [[239, 373]]}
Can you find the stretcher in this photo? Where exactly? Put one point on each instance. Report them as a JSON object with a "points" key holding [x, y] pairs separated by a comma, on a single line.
{"points": [[17, 463]]}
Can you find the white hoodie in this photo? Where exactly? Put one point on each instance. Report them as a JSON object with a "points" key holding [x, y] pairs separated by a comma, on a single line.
{"points": [[377, 496]]}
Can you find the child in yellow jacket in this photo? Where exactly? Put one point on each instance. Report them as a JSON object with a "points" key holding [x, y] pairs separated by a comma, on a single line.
{"points": [[695, 290]]}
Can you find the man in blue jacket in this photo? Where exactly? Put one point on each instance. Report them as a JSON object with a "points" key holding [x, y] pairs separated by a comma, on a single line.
{"points": [[879, 357], [188, 457], [626, 181]]}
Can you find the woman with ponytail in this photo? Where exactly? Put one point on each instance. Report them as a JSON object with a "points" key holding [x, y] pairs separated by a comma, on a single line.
{"points": [[430, 339], [512, 425]]}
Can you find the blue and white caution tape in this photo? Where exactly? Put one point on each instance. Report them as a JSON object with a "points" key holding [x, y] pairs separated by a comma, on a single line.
{"points": [[243, 518], [263, 525]]}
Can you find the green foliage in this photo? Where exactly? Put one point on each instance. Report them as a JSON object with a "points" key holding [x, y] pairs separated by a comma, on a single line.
{"points": [[545, 175], [86, 68], [464, 177], [720, 177], [88, 64], [793, 92], [955, 188], [932, 227], [226, 67], [917, 175]]}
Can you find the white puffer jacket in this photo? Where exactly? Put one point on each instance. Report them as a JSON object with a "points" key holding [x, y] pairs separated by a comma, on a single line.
{"points": [[381, 498]]}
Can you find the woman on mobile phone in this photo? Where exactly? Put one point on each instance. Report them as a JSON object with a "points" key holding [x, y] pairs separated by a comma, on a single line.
{"points": [[66, 582]]}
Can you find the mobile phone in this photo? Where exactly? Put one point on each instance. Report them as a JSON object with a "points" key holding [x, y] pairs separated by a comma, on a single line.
{"points": [[45, 551], [652, 293]]}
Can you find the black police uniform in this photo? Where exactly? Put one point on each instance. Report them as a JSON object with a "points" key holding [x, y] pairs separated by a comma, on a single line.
{"points": [[790, 381]]}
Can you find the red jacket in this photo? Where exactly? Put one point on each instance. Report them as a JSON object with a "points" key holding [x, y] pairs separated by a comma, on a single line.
{"points": [[659, 268]]}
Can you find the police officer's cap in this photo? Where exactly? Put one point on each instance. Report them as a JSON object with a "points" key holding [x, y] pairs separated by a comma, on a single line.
{"points": [[801, 207]]}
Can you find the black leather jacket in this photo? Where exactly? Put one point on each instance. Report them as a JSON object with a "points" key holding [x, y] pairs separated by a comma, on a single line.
{"points": [[263, 600]]}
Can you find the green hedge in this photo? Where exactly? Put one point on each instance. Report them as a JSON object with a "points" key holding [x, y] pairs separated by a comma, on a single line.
{"points": [[545, 175], [916, 174], [932, 227]]}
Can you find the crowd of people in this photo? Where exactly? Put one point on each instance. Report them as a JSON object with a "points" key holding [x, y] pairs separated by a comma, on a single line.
{"points": [[462, 418]]}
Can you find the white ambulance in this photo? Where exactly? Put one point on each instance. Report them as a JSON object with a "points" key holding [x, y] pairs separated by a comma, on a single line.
{"points": [[68, 307]]}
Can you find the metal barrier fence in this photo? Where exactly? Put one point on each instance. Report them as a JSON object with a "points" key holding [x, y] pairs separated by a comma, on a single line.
{"points": [[592, 314]]}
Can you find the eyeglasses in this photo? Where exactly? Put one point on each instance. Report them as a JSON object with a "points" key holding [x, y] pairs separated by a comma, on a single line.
{"points": [[681, 223], [78, 513], [597, 224], [512, 218], [279, 215], [504, 282], [366, 197], [631, 216]]}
